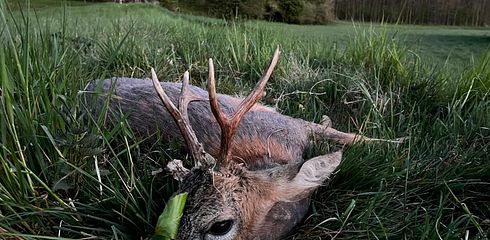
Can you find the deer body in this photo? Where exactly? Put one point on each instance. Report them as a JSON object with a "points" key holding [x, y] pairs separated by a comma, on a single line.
{"points": [[249, 179], [264, 136]]}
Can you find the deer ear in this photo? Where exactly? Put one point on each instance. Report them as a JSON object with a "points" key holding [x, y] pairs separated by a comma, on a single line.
{"points": [[310, 176]]}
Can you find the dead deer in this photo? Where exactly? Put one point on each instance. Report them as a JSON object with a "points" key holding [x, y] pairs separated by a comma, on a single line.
{"points": [[249, 180]]}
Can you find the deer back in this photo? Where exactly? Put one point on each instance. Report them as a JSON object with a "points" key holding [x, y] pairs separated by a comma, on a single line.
{"points": [[264, 137]]}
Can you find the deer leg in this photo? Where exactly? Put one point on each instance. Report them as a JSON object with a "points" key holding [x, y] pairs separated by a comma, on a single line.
{"points": [[325, 132], [340, 137]]}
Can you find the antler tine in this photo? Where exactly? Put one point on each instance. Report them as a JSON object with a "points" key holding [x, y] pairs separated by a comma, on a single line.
{"points": [[220, 116], [181, 117], [229, 125], [186, 96], [258, 91]]}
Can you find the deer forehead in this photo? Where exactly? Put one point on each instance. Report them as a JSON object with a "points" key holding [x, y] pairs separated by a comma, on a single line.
{"points": [[236, 183], [246, 189], [227, 185]]}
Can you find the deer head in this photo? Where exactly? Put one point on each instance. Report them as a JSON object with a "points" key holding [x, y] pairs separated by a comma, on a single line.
{"points": [[225, 199]]}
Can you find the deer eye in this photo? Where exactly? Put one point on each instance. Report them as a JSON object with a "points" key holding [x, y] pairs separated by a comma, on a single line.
{"points": [[221, 228]]}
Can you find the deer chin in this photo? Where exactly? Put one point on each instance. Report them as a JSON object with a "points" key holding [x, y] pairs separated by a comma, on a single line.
{"points": [[282, 218]]}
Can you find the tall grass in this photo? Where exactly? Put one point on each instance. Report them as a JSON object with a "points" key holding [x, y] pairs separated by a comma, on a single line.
{"points": [[66, 174]]}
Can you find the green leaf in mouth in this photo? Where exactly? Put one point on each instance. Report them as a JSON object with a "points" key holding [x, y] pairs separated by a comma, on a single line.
{"points": [[168, 223]]}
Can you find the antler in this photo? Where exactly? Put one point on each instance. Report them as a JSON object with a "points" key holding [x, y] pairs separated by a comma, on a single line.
{"points": [[229, 125], [181, 117]]}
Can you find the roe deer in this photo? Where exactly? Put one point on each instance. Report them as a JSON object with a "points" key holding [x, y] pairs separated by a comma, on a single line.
{"points": [[249, 180]]}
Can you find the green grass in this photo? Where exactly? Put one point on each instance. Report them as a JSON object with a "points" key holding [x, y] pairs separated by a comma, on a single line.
{"points": [[437, 45], [428, 83]]}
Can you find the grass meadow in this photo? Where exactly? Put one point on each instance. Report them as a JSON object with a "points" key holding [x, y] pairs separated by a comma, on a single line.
{"points": [[430, 84]]}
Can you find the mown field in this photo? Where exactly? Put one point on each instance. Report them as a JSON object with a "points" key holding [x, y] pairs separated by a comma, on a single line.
{"points": [[430, 84]]}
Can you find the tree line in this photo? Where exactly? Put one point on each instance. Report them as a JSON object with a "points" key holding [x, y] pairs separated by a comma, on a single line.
{"points": [[290, 11], [446, 12]]}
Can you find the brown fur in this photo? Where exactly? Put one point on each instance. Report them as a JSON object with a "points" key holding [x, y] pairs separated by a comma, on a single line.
{"points": [[254, 148]]}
